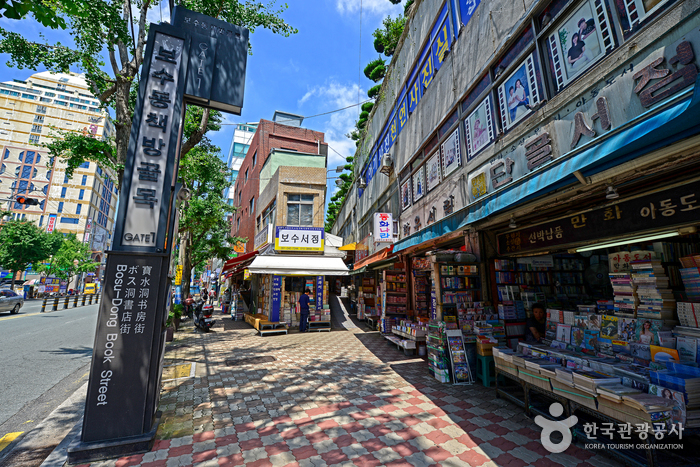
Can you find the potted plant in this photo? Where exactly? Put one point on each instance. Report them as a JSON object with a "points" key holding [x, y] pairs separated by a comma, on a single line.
{"points": [[177, 315]]}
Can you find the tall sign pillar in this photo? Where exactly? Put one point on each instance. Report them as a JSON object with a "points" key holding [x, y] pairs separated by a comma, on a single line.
{"points": [[199, 60]]}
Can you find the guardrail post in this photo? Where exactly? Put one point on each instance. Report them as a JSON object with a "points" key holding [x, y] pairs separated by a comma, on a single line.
{"points": [[75, 301], [55, 304], [90, 299], [43, 305], [84, 298], [97, 298], [65, 302]]}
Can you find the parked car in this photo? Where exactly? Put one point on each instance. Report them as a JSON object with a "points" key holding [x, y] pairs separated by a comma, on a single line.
{"points": [[10, 301]]}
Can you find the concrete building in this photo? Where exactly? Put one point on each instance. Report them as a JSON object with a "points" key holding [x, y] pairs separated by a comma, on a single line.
{"points": [[242, 136], [292, 190], [246, 191], [30, 111]]}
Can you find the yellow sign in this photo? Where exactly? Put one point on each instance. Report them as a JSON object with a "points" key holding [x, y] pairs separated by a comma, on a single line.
{"points": [[246, 274], [178, 275], [239, 247]]}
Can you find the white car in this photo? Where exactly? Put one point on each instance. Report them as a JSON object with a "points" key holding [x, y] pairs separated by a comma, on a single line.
{"points": [[10, 301]]}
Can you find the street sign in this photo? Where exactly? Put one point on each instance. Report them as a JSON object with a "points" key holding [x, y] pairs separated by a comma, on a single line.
{"points": [[51, 224]]}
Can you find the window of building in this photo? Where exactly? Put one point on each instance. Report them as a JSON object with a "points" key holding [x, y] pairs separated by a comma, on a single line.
{"points": [[240, 197], [45, 189], [63, 192], [3, 167], [85, 165], [65, 178], [84, 182], [45, 99], [257, 223], [238, 224], [65, 220], [78, 208], [41, 109], [42, 203], [255, 157], [252, 206], [245, 179], [268, 215], [34, 139], [81, 194], [7, 154], [60, 206], [41, 220], [300, 209], [39, 118], [36, 128]]}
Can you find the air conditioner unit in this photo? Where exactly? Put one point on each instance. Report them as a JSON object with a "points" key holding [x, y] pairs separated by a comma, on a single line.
{"points": [[363, 184], [387, 164]]}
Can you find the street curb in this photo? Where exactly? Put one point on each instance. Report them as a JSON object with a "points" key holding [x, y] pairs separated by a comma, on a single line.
{"points": [[69, 413]]}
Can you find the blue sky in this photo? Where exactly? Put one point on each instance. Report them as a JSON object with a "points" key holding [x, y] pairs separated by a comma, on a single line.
{"points": [[314, 71]]}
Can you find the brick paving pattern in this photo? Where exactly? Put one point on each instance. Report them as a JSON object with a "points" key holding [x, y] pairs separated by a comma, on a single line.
{"points": [[338, 399]]}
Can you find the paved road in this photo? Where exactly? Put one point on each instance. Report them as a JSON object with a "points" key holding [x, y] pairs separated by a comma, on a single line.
{"points": [[45, 358]]}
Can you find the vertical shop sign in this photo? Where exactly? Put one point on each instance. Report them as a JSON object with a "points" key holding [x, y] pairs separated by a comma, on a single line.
{"points": [[433, 303], [276, 298], [51, 224], [382, 227], [319, 293]]}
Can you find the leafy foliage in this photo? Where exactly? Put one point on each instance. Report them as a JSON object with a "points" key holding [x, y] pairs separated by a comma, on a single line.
{"points": [[374, 91], [407, 7], [367, 106], [386, 39], [372, 65], [75, 148], [23, 243], [72, 257]]}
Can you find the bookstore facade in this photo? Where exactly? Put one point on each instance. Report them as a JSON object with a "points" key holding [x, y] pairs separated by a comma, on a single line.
{"points": [[549, 184]]}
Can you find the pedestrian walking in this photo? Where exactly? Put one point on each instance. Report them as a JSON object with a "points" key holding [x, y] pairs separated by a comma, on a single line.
{"points": [[304, 311]]}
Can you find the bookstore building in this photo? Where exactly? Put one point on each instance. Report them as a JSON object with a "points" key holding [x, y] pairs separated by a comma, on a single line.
{"points": [[594, 215]]}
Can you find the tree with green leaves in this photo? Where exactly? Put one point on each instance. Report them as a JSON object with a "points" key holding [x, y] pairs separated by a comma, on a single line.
{"points": [[119, 29], [71, 258], [23, 243], [387, 39], [203, 226]]}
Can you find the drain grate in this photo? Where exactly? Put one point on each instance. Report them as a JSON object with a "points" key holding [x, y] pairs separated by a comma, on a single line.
{"points": [[251, 360]]}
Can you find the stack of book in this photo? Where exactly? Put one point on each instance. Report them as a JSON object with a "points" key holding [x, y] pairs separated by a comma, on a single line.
{"points": [[588, 380], [688, 314], [655, 297], [690, 275], [615, 391], [625, 299]]}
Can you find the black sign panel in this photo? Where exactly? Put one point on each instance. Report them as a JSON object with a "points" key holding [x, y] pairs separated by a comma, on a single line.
{"points": [[218, 78], [665, 208], [128, 321]]}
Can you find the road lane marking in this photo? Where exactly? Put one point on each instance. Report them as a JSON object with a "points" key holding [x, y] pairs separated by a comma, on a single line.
{"points": [[19, 316], [8, 438]]}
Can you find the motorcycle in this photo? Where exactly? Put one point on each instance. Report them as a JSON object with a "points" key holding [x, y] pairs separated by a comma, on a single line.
{"points": [[202, 316]]}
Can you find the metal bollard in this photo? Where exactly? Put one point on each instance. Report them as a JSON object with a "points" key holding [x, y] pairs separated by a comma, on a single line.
{"points": [[43, 305], [75, 301], [55, 304], [84, 298], [97, 298], [65, 302], [90, 299]]}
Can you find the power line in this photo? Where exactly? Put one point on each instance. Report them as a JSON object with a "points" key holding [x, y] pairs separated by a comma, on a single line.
{"points": [[305, 118]]}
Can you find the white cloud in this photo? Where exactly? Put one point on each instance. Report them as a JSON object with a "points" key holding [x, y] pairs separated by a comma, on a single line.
{"points": [[378, 7], [156, 11]]}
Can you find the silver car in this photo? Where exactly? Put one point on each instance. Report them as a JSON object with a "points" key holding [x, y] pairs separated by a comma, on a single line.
{"points": [[10, 301]]}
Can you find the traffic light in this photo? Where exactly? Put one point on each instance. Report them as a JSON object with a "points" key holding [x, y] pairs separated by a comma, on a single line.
{"points": [[28, 201]]}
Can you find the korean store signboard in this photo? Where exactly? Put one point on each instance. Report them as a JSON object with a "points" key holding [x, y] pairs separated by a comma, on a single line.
{"points": [[666, 208], [309, 239], [382, 227]]}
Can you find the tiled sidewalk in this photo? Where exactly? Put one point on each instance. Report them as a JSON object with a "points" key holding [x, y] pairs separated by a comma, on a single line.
{"points": [[339, 398]]}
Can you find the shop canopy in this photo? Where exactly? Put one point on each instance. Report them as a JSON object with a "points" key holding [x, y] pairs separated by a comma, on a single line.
{"points": [[233, 262], [382, 254], [349, 247], [651, 131], [298, 265]]}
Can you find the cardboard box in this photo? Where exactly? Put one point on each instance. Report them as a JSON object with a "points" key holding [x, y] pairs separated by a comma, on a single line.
{"points": [[485, 348], [574, 394]]}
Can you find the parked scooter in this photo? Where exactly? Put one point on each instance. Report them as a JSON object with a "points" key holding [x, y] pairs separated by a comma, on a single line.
{"points": [[202, 315]]}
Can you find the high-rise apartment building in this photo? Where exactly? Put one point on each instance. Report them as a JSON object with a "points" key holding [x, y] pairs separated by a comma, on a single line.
{"points": [[242, 136], [31, 112]]}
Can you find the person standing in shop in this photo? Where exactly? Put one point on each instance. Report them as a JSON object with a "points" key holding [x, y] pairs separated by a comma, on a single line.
{"points": [[537, 325], [304, 311]]}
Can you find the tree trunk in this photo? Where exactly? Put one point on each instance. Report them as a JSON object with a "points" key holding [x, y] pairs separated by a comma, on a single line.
{"points": [[12, 284], [122, 124]]}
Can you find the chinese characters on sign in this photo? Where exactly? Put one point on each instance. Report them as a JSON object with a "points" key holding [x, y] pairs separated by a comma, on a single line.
{"points": [[152, 144], [299, 239], [382, 227], [276, 298], [677, 206]]}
